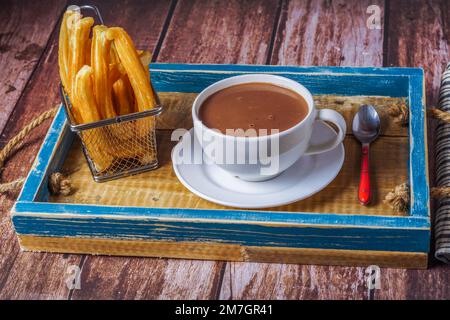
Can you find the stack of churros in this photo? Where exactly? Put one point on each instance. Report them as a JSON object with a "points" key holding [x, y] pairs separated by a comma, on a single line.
{"points": [[104, 77]]}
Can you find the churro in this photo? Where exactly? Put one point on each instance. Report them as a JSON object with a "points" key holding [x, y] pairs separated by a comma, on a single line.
{"points": [[129, 58]]}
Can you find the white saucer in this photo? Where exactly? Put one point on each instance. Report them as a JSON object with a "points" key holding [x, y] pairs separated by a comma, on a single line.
{"points": [[306, 177]]}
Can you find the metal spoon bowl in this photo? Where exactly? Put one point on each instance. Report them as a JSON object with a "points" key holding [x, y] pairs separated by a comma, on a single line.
{"points": [[366, 124]]}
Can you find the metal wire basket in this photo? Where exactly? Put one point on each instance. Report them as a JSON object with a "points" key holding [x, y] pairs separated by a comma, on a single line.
{"points": [[120, 146]]}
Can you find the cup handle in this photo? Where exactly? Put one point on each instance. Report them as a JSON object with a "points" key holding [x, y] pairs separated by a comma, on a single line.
{"points": [[338, 120]]}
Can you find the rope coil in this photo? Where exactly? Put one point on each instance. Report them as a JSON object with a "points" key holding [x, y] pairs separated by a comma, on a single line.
{"points": [[399, 198], [400, 114]]}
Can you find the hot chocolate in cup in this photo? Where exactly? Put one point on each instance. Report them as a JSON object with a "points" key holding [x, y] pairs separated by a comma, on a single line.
{"points": [[264, 150]]}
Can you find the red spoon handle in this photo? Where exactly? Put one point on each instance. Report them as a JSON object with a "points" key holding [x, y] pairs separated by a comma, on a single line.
{"points": [[364, 182]]}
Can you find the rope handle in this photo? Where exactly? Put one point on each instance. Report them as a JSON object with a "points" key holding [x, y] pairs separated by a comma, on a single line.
{"points": [[400, 114], [399, 198], [58, 183]]}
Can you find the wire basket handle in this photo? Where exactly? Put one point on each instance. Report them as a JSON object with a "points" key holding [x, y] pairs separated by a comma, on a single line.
{"points": [[87, 7]]}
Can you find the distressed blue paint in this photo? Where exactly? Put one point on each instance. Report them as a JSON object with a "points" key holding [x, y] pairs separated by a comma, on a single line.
{"points": [[300, 218], [37, 176], [298, 69], [420, 200], [56, 163], [317, 83], [242, 234], [301, 229]]}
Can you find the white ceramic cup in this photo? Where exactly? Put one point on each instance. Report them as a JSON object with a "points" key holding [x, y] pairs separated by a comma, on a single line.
{"points": [[283, 149]]}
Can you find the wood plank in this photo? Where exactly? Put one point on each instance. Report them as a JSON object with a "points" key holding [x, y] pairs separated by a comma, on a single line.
{"points": [[399, 284], [39, 276], [143, 20], [222, 251], [25, 29], [312, 33], [40, 94], [280, 281], [419, 35], [140, 278], [204, 31], [192, 36], [329, 33]]}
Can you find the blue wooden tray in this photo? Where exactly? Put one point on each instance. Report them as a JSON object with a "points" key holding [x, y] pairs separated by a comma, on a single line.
{"points": [[241, 235]]}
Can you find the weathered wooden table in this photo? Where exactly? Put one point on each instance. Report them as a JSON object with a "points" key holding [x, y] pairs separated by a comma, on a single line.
{"points": [[296, 32]]}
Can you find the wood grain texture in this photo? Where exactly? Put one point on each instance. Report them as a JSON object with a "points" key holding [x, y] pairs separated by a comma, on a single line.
{"points": [[419, 35], [216, 34], [402, 284], [40, 94], [143, 20], [138, 278], [327, 33], [39, 276], [221, 251], [25, 27], [203, 31], [281, 281]]}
